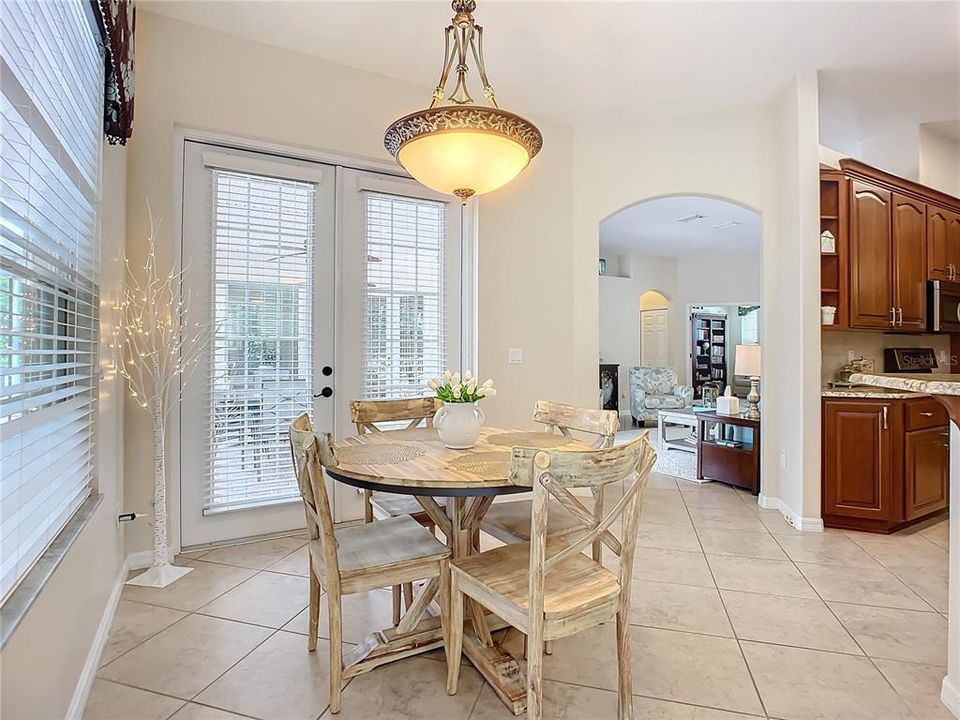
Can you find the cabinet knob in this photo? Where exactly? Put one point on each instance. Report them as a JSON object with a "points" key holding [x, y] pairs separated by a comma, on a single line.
{"points": [[927, 414]]}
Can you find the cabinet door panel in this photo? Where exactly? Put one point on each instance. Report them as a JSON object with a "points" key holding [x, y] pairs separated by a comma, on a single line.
{"points": [[938, 263], [858, 468], [909, 262], [927, 459], [870, 256], [953, 241]]}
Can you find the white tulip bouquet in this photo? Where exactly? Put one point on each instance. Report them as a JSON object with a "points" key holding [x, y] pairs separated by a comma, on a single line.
{"points": [[452, 388]]}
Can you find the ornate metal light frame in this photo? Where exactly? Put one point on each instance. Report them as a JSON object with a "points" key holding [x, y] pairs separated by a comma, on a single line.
{"points": [[463, 37]]}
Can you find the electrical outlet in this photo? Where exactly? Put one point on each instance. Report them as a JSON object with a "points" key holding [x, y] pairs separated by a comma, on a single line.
{"points": [[850, 355], [783, 460]]}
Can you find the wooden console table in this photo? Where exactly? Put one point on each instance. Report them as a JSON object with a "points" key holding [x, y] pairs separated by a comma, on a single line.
{"points": [[737, 466]]}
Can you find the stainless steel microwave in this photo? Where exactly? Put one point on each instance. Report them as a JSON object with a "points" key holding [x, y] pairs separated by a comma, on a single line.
{"points": [[943, 306]]}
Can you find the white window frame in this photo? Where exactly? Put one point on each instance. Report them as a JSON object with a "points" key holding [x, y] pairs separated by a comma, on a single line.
{"points": [[469, 223]]}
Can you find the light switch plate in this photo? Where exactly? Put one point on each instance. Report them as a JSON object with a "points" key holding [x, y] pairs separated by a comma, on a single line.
{"points": [[515, 356]]}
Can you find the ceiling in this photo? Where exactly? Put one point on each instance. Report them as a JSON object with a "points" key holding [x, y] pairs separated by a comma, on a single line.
{"points": [[569, 60], [652, 228]]}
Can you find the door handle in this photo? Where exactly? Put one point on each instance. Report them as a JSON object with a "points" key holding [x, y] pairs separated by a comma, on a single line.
{"points": [[326, 392], [893, 317], [885, 426], [926, 414], [900, 313]]}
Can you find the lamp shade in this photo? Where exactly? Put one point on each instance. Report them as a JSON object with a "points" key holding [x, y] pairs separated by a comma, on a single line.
{"points": [[748, 360], [463, 150]]}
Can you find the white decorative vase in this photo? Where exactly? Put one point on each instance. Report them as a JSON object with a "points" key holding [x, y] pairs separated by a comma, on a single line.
{"points": [[458, 424]]}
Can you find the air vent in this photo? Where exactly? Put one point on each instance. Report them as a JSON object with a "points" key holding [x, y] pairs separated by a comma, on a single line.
{"points": [[691, 218], [729, 225]]}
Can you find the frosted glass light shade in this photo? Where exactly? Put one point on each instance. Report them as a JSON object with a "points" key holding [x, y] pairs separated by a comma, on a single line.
{"points": [[748, 360], [464, 160], [463, 150]]}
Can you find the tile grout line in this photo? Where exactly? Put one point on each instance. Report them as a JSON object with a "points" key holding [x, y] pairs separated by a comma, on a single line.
{"points": [[852, 637], [743, 656]]}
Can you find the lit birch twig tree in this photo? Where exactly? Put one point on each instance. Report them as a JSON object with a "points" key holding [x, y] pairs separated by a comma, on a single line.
{"points": [[157, 349]]}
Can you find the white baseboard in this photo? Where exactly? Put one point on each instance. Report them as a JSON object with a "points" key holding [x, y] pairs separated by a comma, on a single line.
{"points": [[89, 672], [144, 558], [950, 697], [795, 519]]}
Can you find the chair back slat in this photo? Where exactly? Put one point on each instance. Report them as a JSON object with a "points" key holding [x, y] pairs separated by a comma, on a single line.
{"points": [[365, 414], [591, 468], [602, 423], [551, 473], [311, 452]]}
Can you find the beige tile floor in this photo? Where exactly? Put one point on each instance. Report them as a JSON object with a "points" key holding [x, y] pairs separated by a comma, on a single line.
{"points": [[735, 615]]}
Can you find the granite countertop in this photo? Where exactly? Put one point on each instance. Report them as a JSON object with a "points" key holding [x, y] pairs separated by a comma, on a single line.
{"points": [[929, 384], [867, 392]]}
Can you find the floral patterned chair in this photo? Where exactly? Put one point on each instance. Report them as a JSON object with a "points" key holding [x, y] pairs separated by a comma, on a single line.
{"points": [[656, 388]]}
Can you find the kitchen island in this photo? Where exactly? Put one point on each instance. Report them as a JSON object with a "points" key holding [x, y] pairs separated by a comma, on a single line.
{"points": [[945, 388]]}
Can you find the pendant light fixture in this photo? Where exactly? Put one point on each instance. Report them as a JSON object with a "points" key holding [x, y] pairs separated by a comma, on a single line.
{"points": [[456, 146]]}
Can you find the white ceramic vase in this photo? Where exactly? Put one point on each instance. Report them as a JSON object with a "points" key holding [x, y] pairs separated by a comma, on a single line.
{"points": [[458, 424]]}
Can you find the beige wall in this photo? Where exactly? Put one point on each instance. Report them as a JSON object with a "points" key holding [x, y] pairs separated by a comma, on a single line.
{"points": [[198, 79], [43, 660], [939, 161], [734, 155]]}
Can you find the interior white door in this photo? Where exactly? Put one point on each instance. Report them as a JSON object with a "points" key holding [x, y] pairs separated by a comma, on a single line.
{"points": [[401, 307], [259, 242], [654, 337]]}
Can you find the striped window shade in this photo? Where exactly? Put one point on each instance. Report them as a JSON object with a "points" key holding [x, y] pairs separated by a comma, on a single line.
{"points": [[51, 75], [405, 341], [261, 364]]}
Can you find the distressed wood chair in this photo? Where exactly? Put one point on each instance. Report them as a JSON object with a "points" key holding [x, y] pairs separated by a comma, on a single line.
{"points": [[509, 522], [548, 588], [359, 558], [367, 415]]}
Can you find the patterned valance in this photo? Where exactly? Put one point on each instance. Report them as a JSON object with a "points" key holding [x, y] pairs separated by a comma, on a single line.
{"points": [[118, 19]]}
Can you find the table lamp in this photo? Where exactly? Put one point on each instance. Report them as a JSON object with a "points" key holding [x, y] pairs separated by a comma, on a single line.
{"points": [[748, 363]]}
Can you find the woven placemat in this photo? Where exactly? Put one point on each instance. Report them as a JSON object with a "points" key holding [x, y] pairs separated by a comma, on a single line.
{"points": [[379, 454], [423, 434], [529, 439], [486, 465]]}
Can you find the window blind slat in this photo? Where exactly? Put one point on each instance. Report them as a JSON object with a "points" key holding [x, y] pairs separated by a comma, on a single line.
{"points": [[51, 82], [261, 359], [405, 341]]}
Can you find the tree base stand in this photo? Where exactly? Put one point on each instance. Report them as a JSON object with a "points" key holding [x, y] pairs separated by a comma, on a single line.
{"points": [[159, 576]]}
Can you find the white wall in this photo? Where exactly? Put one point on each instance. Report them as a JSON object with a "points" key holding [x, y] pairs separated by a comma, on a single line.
{"points": [[620, 313], [721, 279], [939, 162], [43, 659], [196, 78], [714, 279]]}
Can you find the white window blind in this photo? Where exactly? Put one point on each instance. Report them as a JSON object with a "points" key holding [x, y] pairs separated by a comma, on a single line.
{"points": [[51, 74], [261, 366], [405, 341]]}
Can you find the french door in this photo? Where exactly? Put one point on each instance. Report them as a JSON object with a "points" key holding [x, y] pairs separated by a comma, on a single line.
{"points": [[322, 284], [258, 242]]}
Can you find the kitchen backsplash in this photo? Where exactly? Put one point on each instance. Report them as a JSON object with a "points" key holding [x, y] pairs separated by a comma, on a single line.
{"points": [[836, 345]]}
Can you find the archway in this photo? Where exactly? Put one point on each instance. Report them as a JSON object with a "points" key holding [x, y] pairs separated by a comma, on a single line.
{"points": [[677, 256]]}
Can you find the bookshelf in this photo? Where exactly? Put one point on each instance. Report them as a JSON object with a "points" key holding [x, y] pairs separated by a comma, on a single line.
{"points": [[709, 350]]}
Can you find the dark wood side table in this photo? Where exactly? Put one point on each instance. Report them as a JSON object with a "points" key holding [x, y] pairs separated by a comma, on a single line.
{"points": [[737, 466]]}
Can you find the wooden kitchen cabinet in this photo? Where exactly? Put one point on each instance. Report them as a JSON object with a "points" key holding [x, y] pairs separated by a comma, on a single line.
{"points": [[892, 236], [943, 244], [885, 462], [909, 255], [871, 279], [927, 461]]}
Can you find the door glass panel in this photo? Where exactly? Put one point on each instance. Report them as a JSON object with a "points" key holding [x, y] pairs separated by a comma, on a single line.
{"points": [[261, 364]]}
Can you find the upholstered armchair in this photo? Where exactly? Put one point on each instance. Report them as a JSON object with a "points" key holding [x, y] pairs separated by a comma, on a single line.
{"points": [[656, 388]]}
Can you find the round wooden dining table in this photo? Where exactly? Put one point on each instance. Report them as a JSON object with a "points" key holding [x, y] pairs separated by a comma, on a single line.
{"points": [[414, 462]]}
